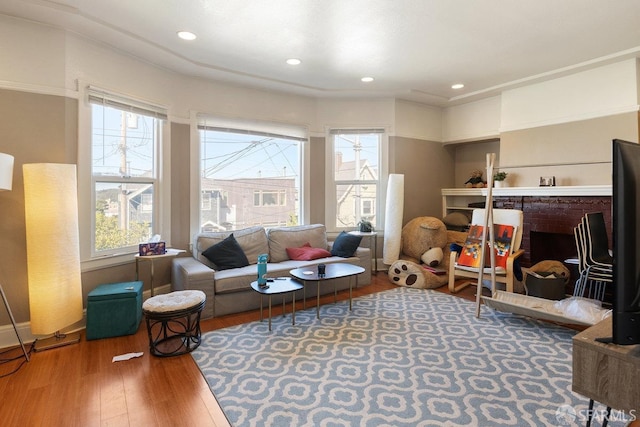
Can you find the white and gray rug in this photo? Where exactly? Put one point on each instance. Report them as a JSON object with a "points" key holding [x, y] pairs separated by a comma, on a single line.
{"points": [[404, 357]]}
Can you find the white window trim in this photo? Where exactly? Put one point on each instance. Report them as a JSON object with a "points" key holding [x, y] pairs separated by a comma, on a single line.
{"points": [[330, 186], [86, 208]]}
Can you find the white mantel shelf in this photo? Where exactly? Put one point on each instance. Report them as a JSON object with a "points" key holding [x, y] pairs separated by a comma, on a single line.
{"points": [[567, 191]]}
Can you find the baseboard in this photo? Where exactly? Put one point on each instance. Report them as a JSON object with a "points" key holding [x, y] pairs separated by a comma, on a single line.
{"points": [[8, 336]]}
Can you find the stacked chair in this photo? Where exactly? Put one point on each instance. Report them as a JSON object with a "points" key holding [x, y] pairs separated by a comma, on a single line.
{"points": [[595, 263]]}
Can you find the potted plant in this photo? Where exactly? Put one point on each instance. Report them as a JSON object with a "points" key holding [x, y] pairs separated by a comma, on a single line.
{"points": [[365, 226], [499, 178]]}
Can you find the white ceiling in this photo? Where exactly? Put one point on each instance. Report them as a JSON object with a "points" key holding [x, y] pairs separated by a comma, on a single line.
{"points": [[415, 49]]}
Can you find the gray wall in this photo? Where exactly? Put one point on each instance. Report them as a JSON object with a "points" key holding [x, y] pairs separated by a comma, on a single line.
{"points": [[427, 167]]}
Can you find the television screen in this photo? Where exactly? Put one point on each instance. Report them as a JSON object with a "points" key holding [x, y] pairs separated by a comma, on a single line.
{"points": [[626, 242]]}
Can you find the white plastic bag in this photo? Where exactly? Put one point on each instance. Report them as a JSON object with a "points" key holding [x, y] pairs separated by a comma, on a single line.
{"points": [[584, 309]]}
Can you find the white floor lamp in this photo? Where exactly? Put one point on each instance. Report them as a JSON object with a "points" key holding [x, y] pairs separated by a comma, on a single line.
{"points": [[6, 181], [53, 251]]}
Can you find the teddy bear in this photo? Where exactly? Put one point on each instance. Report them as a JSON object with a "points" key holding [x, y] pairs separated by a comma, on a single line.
{"points": [[424, 243], [476, 180]]}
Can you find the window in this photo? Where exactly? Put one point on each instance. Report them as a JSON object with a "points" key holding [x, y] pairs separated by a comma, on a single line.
{"points": [[125, 142], [257, 171], [205, 202], [355, 173], [367, 208], [270, 198]]}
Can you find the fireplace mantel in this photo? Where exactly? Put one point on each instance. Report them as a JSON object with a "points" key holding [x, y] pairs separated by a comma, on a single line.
{"points": [[553, 211], [568, 190]]}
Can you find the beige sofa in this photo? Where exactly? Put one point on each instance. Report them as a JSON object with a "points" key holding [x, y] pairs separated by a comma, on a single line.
{"points": [[229, 291]]}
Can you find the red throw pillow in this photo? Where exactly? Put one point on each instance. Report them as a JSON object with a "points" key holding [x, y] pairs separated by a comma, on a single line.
{"points": [[307, 253]]}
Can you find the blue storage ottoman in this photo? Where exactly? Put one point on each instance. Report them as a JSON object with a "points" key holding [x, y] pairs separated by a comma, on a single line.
{"points": [[114, 310]]}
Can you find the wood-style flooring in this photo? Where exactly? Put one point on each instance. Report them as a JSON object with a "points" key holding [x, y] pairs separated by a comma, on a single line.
{"points": [[78, 385]]}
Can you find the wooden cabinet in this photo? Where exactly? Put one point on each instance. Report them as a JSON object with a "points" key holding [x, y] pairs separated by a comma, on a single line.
{"points": [[606, 373]]}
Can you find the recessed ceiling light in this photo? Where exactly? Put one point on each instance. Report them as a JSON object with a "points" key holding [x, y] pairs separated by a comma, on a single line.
{"points": [[457, 86], [186, 35], [293, 61], [367, 79]]}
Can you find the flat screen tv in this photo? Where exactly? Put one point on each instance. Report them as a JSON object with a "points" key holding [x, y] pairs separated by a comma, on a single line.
{"points": [[626, 242]]}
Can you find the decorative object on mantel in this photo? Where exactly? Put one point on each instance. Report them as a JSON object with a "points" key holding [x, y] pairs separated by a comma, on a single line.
{"points": [[499, 178], [547, 181], [475, 181]]}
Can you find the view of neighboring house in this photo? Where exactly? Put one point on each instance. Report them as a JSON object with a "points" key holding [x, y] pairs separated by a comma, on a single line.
{"points": [[231, 204], [355, 201]]}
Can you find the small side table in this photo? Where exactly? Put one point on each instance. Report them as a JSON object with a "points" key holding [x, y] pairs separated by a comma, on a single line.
{"points": [[152, 258], [173, 322], [373, 243], [280, 285]]}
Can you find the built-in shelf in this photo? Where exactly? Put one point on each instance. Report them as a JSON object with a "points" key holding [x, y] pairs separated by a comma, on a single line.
{"points": [[568, 190], [454, 199]]}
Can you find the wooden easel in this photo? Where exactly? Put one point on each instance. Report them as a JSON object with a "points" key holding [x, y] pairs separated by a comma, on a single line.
{"points": [[488, 225]]}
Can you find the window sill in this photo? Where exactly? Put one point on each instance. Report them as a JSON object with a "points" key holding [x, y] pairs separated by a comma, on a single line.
{"points": [[106, 261]]}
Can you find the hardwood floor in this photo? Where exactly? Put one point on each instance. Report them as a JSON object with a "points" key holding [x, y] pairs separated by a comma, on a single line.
{"points": [[78, 385]]}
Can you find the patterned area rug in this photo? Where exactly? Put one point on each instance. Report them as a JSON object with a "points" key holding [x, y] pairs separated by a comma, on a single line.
{"points": [[404, 357]]}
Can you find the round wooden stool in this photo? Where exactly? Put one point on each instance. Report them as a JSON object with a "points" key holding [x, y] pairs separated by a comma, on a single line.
{"points": [[173, 322]]}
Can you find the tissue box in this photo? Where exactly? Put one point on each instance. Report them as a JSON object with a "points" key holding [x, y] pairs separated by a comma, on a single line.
{"points": [[156, 248]]}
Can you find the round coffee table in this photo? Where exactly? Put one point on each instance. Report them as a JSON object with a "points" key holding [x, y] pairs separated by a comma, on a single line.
{"points": [[332, 271], [278, 285]]}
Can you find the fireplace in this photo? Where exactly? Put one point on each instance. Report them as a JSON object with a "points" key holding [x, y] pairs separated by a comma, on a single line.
{"points": [[554, 217], [548, 225], [557, 246]]}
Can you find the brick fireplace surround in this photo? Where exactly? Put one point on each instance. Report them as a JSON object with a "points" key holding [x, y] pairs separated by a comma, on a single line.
{"points": [[549, 222]]}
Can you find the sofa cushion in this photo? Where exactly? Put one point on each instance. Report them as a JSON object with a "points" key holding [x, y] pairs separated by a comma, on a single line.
{"points": [[345, 245], [252, 240], [307, 253], [226, 254], [281, 238]]}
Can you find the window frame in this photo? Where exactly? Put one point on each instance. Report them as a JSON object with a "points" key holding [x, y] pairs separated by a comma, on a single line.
{"points": [[291, 131], [331, 184], [89, 257]]}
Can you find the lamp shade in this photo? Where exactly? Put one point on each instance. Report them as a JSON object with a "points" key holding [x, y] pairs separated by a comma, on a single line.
{"points": [[6, 171], [53, 254]]}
